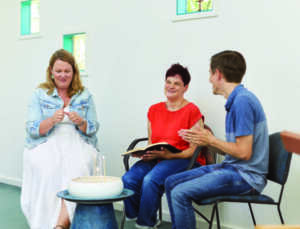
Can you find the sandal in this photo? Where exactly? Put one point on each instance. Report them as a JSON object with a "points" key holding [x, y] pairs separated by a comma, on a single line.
{"points": [[59, 226]]}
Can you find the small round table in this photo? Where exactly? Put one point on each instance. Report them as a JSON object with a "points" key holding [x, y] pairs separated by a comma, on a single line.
{"points": [[94, 213]]}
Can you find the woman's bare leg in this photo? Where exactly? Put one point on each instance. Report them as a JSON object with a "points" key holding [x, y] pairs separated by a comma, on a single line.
{"points": [[63, 218]]}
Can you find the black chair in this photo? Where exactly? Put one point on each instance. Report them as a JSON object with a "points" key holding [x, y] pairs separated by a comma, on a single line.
{"points": [[279, 165], [210, 156]]}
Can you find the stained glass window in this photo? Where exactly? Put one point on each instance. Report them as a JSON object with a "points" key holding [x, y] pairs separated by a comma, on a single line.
{"points": [[185, 7]]}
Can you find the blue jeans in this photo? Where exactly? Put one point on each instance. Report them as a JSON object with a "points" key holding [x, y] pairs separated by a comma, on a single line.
{"points": [[146, 179], [197, 184]]}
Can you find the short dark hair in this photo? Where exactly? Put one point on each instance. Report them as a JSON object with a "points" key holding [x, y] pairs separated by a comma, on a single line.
{"points": [[231, 63], [178, 69]]}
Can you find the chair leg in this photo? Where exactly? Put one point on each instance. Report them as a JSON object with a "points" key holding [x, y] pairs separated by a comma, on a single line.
{"points": [[280, 215], [218, 219], [202, 216], [160, 211], [123, 219], [252, 215], [212, 217]]}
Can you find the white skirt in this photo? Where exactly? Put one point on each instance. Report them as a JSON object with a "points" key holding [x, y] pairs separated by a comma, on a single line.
{"points": [[47, 169]]}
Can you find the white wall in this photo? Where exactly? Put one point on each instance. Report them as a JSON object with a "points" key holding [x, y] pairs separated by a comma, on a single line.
{"points": [[130, 46]]}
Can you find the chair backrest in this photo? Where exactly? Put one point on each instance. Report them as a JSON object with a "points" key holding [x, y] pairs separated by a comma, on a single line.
{"points": [[279, 160], [210, 155]]}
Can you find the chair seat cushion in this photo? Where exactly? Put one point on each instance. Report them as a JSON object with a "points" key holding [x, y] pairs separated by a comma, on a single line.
{"points": [[263, 199]]}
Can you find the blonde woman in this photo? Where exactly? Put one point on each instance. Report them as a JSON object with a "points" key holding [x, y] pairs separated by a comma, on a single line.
{"points": [[60, 143]]}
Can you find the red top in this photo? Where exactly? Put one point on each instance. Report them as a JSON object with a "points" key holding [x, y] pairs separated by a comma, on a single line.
{"points": [[165, 124]]}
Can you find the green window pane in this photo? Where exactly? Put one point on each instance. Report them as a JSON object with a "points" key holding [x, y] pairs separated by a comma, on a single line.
{"points": [[181, 7], [68, 42], [25, 18]]}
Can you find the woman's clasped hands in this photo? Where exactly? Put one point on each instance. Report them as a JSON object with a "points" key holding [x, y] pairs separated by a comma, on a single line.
{"points": [[73, 116], [58, 116]]}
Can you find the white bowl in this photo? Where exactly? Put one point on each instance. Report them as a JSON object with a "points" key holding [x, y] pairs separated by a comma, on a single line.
{"points": [[96, 186]]}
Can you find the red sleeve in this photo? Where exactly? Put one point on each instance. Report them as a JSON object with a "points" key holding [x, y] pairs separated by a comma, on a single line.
{"points": [[150, 114], [196, 115]]}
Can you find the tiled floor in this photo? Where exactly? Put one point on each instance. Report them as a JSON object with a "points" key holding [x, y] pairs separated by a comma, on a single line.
{"points": [[11, 216]]}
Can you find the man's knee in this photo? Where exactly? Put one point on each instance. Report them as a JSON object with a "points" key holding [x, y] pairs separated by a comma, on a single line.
{"points": [[180, 194]]}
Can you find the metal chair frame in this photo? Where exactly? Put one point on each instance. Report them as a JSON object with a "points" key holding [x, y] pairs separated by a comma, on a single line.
{"points": [[276, 159]]}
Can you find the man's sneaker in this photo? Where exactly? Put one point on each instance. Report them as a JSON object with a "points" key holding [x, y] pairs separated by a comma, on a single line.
{"points": [[158, 222]]}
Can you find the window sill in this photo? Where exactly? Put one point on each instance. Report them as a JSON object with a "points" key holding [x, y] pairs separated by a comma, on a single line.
{"points": [[84, 74], [194, 16], [30, 36]]}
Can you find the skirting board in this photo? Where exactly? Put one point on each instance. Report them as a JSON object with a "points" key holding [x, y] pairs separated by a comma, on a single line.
{"points": [[11, 181], [166, 217]]}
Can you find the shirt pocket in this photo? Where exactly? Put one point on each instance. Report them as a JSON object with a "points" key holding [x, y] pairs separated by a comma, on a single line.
{"points": [[48, 108], [80, 108]]}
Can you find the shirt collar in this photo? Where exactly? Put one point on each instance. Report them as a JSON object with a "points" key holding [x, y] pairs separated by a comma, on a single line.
{"points": [[232, 96], [54, 93]]}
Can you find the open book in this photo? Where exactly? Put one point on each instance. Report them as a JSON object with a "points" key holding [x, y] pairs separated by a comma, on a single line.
{"points": [[155, 146]]}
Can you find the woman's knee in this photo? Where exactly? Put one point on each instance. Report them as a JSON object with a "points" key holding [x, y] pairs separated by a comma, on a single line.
{"points": [[127, 179], [149, 181]]}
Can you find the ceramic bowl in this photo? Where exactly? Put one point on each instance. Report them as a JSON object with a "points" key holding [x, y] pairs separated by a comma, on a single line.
{"points": [[96, 187]]}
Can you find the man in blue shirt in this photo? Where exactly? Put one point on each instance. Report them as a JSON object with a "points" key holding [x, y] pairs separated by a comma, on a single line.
{"points": [[246, 147]]}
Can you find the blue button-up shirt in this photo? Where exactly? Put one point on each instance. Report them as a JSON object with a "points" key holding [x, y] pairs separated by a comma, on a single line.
{"points": [[43, 106], [245, 116]]}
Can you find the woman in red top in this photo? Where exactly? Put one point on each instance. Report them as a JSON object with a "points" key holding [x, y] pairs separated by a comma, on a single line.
{"points": [[146, 177]]}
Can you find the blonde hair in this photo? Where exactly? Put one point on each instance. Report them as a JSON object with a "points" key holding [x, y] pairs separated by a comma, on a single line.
{"points": [[75, 85]]}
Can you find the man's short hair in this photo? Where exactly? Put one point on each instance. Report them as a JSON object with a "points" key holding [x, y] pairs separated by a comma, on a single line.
{"points": [[231, 63], [178, 69]]}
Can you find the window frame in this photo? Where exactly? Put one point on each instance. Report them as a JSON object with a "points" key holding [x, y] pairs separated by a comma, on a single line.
{"points": [[71, 34], [29, 35]]}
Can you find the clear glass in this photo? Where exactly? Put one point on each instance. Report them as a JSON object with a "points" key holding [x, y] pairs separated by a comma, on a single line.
{"points": [[35, 16], [100, 165], [79, 41]]}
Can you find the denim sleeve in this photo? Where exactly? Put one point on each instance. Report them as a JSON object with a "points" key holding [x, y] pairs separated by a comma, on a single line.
{"points": [[34, 117], [91, 118]]}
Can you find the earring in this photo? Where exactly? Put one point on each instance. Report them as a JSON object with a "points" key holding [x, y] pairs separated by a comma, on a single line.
{"points": [[52, 76]]}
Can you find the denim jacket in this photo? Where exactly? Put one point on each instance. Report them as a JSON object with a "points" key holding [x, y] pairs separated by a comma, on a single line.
{"points": [[43, 106]]}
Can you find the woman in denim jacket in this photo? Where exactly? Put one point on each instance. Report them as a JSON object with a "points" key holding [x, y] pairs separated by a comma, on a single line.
{"points": [[61, 143]]}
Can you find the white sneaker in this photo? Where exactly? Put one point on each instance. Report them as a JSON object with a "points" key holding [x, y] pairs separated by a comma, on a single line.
{"points": [[130, 219], [144, 227], [158, 222]]}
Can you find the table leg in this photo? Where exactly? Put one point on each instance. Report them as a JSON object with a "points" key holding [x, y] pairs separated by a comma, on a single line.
{"points": [[94, 217]]}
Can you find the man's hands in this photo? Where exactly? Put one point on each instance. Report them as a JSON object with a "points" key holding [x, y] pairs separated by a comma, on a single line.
{"points": [[197, 136]]}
